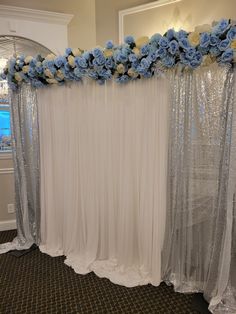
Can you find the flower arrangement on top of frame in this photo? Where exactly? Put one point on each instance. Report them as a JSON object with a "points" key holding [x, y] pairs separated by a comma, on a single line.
{"points": [[132, 60]]}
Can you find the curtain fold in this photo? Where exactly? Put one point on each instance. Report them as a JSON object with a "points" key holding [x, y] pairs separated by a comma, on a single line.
{"points": [[103, 174], [199, 250], [25, 146]]}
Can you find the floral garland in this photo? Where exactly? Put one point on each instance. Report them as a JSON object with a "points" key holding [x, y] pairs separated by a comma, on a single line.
{"points": [[132, 60]]}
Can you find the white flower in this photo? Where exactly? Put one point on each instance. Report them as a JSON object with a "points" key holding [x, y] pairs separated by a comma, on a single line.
{"points": [[18, 77], [194, 38], [25, 69], [120, 68], [71, 61], [76, 52], [52, 81], [48, 73], [50, 57], [28, 59], [60, 75], [132, 73]]}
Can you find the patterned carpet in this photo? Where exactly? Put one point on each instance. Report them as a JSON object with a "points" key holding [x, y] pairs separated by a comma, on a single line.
{"points": [[38, 283]]}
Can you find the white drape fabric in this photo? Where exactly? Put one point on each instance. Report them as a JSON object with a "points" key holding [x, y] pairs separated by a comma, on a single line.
{"points": [[103, 177]]}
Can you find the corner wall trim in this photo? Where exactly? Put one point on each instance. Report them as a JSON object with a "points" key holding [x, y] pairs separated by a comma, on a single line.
{"points": [[7, 225]]}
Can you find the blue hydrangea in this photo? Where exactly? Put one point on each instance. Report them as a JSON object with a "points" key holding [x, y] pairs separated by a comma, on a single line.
{"points": [[77, 72], [173, 47], [227, 56], [144, 50], [86, 55], [133, 57], [204, 40], [81, 62], [161, 52], [153, 56], [31, 72], [129, 40], [104, 74], [100, 60], [184, 43], [109, 63], [148, 74], [214, 40], [109, 44], [181, 34], [97, 52], [221, 27], [231, 33], [190, 53], [36, 83], [215, 51], [93, 75], [145, 63], [194, 63], [224, 44], [60, 61], [33, 63], [170, 34], [68, 51], [121, 57], [39, 70], [168, 61], [164, 42], [123, 78], [155, 38]]}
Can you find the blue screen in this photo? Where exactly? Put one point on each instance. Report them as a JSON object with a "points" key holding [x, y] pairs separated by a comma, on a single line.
{"points": [[5, 128]]}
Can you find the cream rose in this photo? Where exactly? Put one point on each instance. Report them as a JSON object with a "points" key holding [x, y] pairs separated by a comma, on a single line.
{"points": [[194, 38], [25, 69], [28, 59], [233, 44], [136, 51], [71, 61], [50, 57], [48, 73], [108, 53], [207, 60], [120, 69], [76, 52], [141, 41], [60, 75], [132, 73], [52, 81], [18, 77]]}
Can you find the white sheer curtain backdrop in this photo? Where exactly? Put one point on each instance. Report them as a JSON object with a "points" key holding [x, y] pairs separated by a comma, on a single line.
{"points": [[103, 177]]}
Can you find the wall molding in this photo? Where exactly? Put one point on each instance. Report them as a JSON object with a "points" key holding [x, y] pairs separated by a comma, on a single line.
{"points": [[11, 12], [6, 171], [7, 225], [137, 9], [5, 156]]}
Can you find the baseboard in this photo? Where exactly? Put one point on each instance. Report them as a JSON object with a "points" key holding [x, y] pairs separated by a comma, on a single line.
{"points": [[7, 225]]}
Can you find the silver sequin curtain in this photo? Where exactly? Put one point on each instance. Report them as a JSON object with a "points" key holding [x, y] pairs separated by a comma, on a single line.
{"points": [[199, 252]]}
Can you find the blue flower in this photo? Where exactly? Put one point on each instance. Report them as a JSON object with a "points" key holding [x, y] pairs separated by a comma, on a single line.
{"points": [[77, 72], [202, 50], [68, 51], [36, 83], [215, 51], [31, 72], [133, 57], [214, 40], [224, 44], [168, 61], [181, 34], [122, 79], [148, 74], [60, 61], [145, 63], [184, 43], [227, 56], [100, 60], [109, 44], [86, 55], [153, 56], [104, 74], [204, 40], [129, 40], [164, 42], [161, 52], [33, 62], [198, 57], [194, 63], [109, 64], [221, 27], [144, 50], [39, 69], [93, 75], [97, 52], [173, 47], [170, 34], [231, 35], [155, 38], [190, 53], [121, 57], [81, 62], [12, 85]]}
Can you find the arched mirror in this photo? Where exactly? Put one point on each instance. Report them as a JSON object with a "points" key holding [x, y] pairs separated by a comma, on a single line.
{"points": [[10, 46]]}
